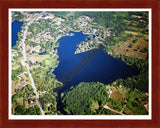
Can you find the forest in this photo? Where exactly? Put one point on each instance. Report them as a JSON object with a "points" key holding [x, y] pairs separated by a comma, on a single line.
{"points": [[90, 99], [82, 99]]}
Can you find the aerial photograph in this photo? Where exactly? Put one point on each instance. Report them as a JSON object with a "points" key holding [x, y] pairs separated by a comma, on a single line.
{"points": [[70, 62]]}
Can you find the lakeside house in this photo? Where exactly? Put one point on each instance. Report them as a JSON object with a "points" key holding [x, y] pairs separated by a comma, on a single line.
{"points": [[110, 92]]}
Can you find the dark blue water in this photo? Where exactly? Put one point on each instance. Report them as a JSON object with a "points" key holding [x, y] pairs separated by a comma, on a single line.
{"points": [[34, 12], [89, 66], [42, 53], [16, 27]]}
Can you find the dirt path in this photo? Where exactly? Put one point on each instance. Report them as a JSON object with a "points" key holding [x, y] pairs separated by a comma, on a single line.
{"points": [[123, 108], [107, 107]]}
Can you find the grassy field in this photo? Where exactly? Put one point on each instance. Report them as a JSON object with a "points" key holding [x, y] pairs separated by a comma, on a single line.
{"points": [[95, 106], [133, 47]]}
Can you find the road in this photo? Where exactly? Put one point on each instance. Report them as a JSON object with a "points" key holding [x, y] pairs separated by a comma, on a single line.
{"points": [[107, 107], [27, 65]]}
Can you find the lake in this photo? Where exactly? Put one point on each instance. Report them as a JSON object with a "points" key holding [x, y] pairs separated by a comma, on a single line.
{"points": [[34, 12], [87, 66], [16, 27]]}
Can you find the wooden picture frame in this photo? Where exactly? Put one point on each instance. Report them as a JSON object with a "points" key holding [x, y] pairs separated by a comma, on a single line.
{"points": [[4, 64]]}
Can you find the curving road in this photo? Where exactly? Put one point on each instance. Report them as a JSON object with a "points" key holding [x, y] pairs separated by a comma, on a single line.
{"points": [[27, 66], [107, 107]]}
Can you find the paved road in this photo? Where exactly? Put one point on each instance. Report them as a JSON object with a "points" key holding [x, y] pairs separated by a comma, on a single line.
{"points": [[25, 59]]}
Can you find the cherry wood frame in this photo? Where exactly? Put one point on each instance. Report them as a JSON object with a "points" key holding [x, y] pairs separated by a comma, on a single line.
{"points": [[4, 8]]}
